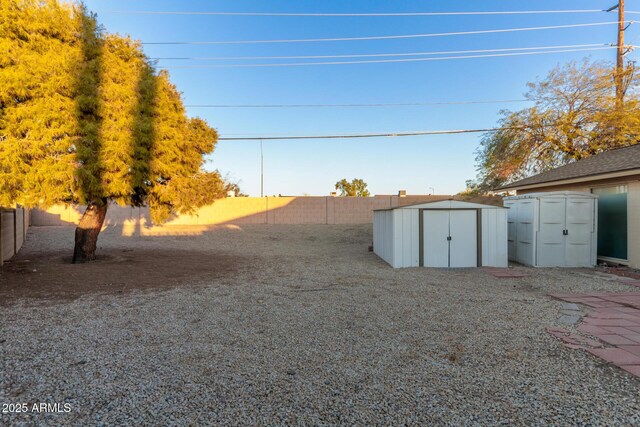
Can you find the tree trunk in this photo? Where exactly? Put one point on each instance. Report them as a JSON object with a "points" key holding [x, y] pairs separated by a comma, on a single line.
{"points": [[88, 230]]}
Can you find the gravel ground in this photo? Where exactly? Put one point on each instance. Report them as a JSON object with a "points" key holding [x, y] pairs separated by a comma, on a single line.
{"points": [[309, 328]]}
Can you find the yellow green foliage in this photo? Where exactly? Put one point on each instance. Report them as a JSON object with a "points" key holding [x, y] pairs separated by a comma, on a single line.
{"points": [[84, 117]]}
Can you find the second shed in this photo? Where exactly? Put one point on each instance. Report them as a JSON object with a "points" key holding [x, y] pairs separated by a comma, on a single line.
{"points": [[447, 233], [554, 229]]}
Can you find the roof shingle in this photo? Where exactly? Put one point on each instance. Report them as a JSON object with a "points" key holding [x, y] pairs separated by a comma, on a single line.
{"points": [[615, 160]]}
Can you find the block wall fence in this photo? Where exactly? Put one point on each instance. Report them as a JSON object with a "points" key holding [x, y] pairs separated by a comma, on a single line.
{"points": [[256, 210], [13, 231]]}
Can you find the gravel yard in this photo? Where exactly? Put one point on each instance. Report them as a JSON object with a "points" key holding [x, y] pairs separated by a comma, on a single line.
{"points": [[284, 325]]}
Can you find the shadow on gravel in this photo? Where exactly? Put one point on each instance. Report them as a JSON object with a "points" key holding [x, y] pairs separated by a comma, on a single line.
{"points": [[49, 276]]}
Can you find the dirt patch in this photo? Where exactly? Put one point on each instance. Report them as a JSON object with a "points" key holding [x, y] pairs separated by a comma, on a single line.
{"points": [[52, 276]]}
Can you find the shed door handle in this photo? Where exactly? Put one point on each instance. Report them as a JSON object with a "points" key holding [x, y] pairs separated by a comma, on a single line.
{"points": [[448, 237], [565, 232]]}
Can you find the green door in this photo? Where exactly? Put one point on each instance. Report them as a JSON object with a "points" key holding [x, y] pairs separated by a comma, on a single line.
{"points": [[612, 222]]}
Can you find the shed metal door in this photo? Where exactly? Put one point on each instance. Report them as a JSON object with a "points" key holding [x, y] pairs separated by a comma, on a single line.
{"points": [[450, 238], [435, 233], [551, 239], [463, 246]]}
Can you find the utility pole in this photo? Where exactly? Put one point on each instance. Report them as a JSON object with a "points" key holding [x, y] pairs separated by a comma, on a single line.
{"points": [[261, 171], [620, 52]]}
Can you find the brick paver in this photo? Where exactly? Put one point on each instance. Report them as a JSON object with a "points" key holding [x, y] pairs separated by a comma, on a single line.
{"points": [[617, 356], [614, 319], [633, 349]]}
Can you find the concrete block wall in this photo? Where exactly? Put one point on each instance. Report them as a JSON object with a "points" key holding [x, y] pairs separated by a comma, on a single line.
{"points": [[250, 210], [296, 210], [6, 233], [58, 215], [357, 210], [13, 231]]}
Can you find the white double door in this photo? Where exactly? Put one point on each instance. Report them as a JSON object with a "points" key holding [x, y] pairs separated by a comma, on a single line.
{"points": [[450, 238], [566, 230]]}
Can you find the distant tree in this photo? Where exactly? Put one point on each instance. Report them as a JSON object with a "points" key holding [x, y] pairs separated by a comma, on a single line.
{"points": [[472, 188], [574, 116], [355, 188], [230, 185], [85, 119]]}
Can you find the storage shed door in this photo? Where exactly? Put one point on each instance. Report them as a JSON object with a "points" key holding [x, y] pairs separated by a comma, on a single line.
{"points": [[566, 227], [551, 241], [463, 247], [579, 228], [435, 234], [450, 238]]}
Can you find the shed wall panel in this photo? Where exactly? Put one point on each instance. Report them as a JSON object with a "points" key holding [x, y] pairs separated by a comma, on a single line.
{"points": [[383, 235], [526, 229], [409, 245], [397, 238], [494, 237], [512, 222]]}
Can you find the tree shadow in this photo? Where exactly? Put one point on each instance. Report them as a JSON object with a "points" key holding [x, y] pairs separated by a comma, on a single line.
{"points": [[89, 173], [88, 113], [144, 134]]}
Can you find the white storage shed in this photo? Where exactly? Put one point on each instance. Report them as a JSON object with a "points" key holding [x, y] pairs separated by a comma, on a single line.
{"points": [[554, 229], [446, 233]]}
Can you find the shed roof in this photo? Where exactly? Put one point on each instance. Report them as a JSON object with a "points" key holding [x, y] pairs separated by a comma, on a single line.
{"points": [[614, 160], [445, 204], [540, 195]]}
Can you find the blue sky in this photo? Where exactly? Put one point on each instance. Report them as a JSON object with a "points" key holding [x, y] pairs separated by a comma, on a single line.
{"points": [[386, 164]]}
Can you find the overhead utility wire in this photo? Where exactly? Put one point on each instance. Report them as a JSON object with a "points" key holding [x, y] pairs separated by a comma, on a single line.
{"points": [[365, 135], [294, 14], [407, 36], [368, 55], [405, 104], [379, 61]]}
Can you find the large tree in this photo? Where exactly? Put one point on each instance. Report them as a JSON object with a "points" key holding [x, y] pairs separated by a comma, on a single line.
{"points": [[574, 115], [86, 119], [355, 188]]}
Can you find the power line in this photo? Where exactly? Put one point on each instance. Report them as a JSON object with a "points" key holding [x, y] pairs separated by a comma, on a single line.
{"points": [[374, 135], [407, 36], [379, 61], [369, 55], [365, 135], [404, 104], [618, 76], [284, 14]]}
